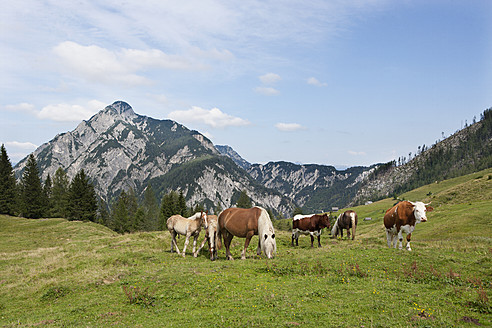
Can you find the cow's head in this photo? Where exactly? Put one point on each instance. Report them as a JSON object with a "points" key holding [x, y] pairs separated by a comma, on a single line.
{"points": [[419, 209], [325, 220]]}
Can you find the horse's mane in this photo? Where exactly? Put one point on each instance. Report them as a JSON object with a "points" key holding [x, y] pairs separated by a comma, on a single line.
{"points": [[334, 230]]}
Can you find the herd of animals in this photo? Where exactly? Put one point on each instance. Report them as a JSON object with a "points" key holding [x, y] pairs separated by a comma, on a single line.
{"points": [[245, 223]]}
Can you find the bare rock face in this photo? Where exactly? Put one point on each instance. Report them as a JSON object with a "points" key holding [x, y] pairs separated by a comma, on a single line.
{"points": [[119, 149]]}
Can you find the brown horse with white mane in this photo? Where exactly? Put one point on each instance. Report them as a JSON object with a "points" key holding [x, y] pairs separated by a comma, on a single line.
{"points": [[246, 223], [188, 227]]}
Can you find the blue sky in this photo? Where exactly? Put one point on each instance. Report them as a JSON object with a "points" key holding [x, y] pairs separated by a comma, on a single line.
{"points": [[340, 83]]}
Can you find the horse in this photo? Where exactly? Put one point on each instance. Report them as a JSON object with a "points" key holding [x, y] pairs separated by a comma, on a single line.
{"points": [[346, 220], [246, 223], [188, 227], [211, 237]]}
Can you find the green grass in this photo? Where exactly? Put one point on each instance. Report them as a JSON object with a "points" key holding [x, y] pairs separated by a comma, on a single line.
{"points": [[57, 273]]}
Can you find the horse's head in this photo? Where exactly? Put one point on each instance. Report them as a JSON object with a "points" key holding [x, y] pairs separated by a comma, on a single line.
{"points": [[203, 219], [268, 244]]}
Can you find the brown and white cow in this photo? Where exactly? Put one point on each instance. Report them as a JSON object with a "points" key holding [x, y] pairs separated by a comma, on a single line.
{"points": [[402, 218], [311, 224]]}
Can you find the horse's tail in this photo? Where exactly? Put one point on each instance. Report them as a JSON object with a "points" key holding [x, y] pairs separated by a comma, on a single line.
{"points": [[334, 230], [219, 232], [353, 218]]}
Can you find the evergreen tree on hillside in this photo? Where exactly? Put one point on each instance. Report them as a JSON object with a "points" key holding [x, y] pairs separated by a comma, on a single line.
{"points": [[169, 207], [182, 204], [244, 201], [48, 193], [102, 213], [150, 209], [82, 201], [119, 215], [32, 195], [7, 184], [59, 194]]}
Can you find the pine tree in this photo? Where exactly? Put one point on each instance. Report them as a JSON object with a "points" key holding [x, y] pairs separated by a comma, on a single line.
{"points": [[182, 204], [32, 195], [59, 194], [119, 215], [82, 201], [47, 194], [151, 210], [102, 213], [244, 201], [8, 188]]}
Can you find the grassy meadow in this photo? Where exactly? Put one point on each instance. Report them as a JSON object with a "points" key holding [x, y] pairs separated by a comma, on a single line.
{"points": [[57, 273]]}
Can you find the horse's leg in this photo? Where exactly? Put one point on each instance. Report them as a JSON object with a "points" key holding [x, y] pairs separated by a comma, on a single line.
{"points": [[249, 235], [227, 242], [348, 232], [174, 242], [188, 235], [195, 237], [258, 250], [341, 233], [201, 246]]}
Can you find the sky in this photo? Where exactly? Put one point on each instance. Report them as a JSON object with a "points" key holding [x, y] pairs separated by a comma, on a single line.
{"points": [[334, 82]]}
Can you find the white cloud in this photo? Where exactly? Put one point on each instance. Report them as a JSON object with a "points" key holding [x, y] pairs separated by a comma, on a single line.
{"points": [[61, 112], [314, 81], [70, 113], [22, 107], [289, 127], [357, 153], [21, 145], [214, 117], [270, 78], [126, 66], [267, 91]]}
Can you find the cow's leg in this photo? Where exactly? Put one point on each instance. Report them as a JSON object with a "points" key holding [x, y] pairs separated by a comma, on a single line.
{"points": [[312, 240], [293, 237], [319, 240], [249, 235], [409, 236], [297, 238], [227, 242], [389, 237], [400, 239]]}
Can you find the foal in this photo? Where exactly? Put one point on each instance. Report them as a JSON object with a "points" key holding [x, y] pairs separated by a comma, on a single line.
{"points": [[188, 227]]}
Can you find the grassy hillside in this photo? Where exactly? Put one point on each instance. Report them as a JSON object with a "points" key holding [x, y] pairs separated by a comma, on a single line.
{"points": [[57, 273]]}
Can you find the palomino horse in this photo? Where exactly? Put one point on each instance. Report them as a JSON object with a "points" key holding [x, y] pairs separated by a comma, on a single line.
{"points": [[211, 237], [246, 223], [188, 227], [346, 220]]}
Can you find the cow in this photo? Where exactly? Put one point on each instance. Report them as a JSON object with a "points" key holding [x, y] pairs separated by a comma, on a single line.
{"points": [[311, 224], [346, 220], [403, 217]]}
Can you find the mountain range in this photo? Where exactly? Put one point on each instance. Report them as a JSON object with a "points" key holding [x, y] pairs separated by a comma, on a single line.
{"points": [[119, 149]]}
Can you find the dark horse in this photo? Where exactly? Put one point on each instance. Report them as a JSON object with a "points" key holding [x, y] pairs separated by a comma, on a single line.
{"points": [[346, 220]]}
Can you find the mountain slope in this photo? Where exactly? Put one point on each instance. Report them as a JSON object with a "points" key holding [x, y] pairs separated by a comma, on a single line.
{"points": [[468, 150], [314, 187], [119, 149]]}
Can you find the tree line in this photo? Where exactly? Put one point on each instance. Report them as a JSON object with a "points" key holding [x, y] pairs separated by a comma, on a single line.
{"points": [[57, 196]]}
